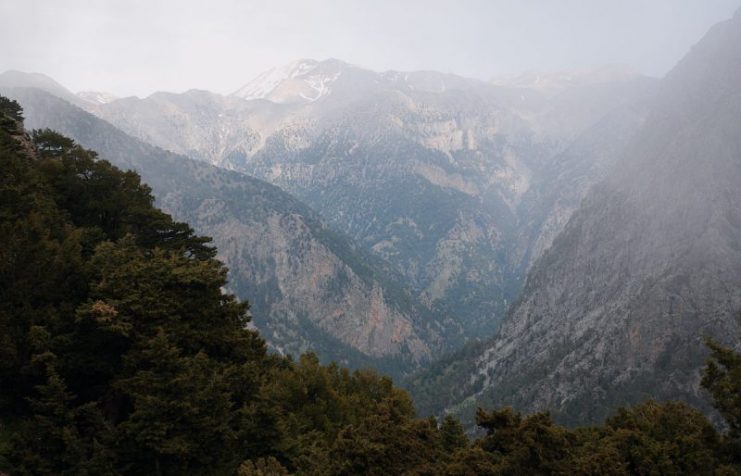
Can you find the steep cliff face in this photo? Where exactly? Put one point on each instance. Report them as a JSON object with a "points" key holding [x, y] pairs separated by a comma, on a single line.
{"points": [[445, 178], [310, 287], [616, 310], [408, 203], [559, 187]]}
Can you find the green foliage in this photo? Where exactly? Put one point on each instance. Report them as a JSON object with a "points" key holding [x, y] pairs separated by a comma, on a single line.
{"points": [[63, 438], [11, 109], [389, 442], [722, 378], [121, 353], [669, 438], [650, 438], [262, 467], [531, 445], [452, 434], [98, 196]]}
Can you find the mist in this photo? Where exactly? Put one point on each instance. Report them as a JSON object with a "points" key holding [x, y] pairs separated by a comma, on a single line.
{"points": [[141, 46]]}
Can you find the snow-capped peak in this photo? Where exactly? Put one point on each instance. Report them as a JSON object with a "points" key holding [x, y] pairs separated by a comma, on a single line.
{"points": [[96, 97], [305, 80]]}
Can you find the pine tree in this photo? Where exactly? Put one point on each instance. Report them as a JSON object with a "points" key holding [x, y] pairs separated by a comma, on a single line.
{"points": [[452, 434], [722, 378], [62, 438]]}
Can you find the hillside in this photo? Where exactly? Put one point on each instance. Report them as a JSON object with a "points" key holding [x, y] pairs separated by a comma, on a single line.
{"points": [[617, 309], [310, 287], [448, 179]]}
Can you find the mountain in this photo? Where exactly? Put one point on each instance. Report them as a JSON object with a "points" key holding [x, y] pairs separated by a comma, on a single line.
{"points": [[198, 124], [559, 187], [12, 78], [301, 81], [97, 97], [561, 80], [310, 287], [121, 347], [616, 310], [438, 175]]}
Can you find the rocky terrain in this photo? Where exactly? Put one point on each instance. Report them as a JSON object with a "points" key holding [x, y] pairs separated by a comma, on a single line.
{"points": [[448, 179], [615, 311]]}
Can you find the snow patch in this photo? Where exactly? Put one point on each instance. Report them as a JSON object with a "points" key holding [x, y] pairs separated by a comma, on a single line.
{"points": [[96, 97], [302, 81], [320, 84], [265, 83]]}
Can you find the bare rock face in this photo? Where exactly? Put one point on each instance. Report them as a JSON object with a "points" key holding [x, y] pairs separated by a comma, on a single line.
{"points": [[447, 179], [309, 282], [310, 288], [616, 310]]}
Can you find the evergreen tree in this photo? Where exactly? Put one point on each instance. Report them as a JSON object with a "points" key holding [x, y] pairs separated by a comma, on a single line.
{"points": [[452, 434], [61, 437], [529, 445], [722, 378], [668, 438]]}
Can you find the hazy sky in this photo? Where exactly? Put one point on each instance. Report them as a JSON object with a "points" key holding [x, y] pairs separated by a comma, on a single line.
{"points": [[140, 46]]}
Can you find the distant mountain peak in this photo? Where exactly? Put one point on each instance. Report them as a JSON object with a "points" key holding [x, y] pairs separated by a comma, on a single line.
{"points": [[303, 80], [97, 97], [15, 75], [15, 79]]}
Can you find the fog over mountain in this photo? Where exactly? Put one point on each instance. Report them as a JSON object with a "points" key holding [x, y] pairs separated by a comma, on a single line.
{"points": [[139, 47], [451, 188], [442, 178], [332, 238], [616, 310], [432, 172]]}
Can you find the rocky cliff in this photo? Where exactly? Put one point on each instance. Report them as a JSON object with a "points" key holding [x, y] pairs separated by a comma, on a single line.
{"points": [[617, 309]]}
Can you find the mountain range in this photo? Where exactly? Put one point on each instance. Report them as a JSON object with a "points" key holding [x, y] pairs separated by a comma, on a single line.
{"points": [[430, 174], [572, 236], [442, 177]]}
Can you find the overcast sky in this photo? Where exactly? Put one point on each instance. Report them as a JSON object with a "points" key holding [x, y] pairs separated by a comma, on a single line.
{"points": [[141, 46]]}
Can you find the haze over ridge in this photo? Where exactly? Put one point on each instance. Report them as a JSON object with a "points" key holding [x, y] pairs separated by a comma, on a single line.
{"points": [[142, 47]]}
